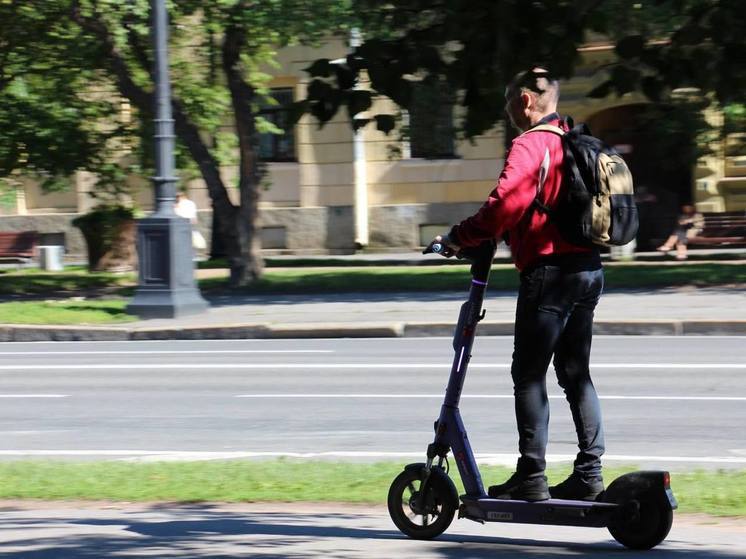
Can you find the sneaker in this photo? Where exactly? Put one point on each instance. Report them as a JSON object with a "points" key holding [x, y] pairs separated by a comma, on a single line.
{"points": [[577, 488], [521, 488]]}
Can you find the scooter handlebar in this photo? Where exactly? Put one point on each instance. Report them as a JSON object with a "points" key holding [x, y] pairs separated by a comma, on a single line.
{"points": [[440, 248], [480, 256]]}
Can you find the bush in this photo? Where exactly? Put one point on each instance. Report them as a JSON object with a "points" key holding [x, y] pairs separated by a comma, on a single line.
{"points": [[110, 233]]}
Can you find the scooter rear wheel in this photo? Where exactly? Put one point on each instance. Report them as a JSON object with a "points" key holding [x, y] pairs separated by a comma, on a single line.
{"points": [[645, 529], [422, 517]]}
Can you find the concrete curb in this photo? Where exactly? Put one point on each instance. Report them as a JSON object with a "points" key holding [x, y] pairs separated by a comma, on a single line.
{"points": [[61, 334], [10, 333]]}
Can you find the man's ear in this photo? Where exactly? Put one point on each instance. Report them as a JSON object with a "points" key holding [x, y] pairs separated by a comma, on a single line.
{"points": [[527, 101]]}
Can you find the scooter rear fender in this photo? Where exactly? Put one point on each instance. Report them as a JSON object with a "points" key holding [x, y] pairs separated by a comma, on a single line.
{"points": [[651, 484]]}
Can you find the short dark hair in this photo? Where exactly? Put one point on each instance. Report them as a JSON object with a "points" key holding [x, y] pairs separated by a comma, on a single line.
{"points": [[539, 81]]}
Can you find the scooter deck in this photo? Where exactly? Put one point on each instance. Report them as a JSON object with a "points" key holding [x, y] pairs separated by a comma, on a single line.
{"points": [[554, 511]]}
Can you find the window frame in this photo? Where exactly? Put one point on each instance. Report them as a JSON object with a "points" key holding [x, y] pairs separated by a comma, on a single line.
{"points": [[273, 113]]}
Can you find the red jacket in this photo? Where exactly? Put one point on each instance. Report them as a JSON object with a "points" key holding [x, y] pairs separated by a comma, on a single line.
{"points": [[507, 209]]}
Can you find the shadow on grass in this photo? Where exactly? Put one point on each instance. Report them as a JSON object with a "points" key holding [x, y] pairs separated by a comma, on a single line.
{"points": [[199, 532], [113, 312]]}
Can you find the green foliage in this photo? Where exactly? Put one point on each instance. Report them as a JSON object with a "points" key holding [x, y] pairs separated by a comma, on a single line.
{"points": [[625, 21], [103, 228], [104, 217], [8, 196], [676, 134], [478, 45], [57, 111], [734, 129], [735, 118], [680, 44], [60, 102]]}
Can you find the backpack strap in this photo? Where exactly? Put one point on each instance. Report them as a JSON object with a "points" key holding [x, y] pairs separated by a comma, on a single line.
{"points": [[555, 130], [546, 128]]}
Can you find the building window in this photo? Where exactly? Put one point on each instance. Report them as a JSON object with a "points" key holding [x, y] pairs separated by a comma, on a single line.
{"points": [[278, 147], [431, 131]]}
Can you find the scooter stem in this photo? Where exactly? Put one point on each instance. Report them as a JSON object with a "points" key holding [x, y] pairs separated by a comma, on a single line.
{"points": [[470, 315]]}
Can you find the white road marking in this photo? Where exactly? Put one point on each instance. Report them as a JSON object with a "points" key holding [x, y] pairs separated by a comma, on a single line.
{"points": [[254, 341], [489, 397], [251, 341], [482, 458], [34, 395], [393, 366], [167, 351]]}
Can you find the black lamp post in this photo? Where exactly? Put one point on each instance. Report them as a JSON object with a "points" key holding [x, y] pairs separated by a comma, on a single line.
{"points": [[166, 286]]}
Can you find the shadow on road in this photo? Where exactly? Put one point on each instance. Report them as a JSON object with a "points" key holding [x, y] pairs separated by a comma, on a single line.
{"points": [[201, 533]]}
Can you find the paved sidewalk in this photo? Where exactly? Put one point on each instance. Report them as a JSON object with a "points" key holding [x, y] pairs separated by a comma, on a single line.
{"points": [[60, 530], [667, 311]]}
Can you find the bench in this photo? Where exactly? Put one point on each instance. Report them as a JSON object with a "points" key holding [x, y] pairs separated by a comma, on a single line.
{"points": [[722, 229], [18, 245]]}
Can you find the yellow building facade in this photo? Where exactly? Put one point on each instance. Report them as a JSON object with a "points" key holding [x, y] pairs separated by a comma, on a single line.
{"points": [[328, 190]]}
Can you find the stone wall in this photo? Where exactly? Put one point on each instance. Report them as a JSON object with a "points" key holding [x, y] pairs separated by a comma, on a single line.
{"points": [[48, 223], [331, 229], [306, 230]]}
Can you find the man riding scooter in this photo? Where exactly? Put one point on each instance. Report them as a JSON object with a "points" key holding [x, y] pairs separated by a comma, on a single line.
{"points": [[560, 286]]}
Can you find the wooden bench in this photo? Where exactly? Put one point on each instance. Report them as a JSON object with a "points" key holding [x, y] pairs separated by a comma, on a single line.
{"points": [[18, 245], [722, 229]]}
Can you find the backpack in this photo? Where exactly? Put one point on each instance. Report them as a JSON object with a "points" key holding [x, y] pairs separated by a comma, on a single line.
{"points": [[597, 207]]}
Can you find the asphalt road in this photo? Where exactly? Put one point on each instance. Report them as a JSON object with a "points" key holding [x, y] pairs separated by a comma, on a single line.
{"points": [[86, 530], [668, 401]]}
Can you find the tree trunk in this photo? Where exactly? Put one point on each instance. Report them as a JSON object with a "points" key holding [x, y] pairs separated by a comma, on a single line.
{"points": [[224, 212], [249, 265]]}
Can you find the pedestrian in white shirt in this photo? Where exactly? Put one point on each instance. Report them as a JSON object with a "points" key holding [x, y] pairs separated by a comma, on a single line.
{"points": [[186, 208]]}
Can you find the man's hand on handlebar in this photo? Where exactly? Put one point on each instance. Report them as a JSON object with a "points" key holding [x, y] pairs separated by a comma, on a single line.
{"points": [[443, 245]]}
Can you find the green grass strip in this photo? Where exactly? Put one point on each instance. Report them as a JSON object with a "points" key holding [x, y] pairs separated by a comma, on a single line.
{"points": [[371, 279], [65, 312], [351, 280], [32, 281], [456, 277], [720, 493]]}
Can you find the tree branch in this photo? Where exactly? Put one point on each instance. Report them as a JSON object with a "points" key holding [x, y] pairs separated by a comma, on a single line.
{"points": [[127, 86], [186, 130], [138, 49]]}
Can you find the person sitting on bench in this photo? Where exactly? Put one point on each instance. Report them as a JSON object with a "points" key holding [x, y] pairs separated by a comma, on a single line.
{"points": [[690, 224]]}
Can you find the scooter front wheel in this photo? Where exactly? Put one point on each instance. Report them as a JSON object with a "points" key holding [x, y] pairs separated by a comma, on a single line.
{"points": [[422, 509]]}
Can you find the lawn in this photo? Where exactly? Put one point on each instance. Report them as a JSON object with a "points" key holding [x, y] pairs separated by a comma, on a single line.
{"points": [[74, 279], [709, 492], [456, 277], [65, 311]]}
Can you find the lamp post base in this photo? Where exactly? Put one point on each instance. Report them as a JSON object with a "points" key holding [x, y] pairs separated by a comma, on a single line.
{"points": [[166, 286], [166, 303]]}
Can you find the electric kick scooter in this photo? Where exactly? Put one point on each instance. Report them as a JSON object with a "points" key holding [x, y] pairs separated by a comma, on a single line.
{"points": [[637, 508]]}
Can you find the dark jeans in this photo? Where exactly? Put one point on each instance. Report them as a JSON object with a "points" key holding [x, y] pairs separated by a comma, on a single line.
{"points": [[554, 316]]}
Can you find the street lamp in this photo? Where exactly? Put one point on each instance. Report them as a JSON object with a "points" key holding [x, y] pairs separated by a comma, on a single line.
{"points": [[166, 286]]}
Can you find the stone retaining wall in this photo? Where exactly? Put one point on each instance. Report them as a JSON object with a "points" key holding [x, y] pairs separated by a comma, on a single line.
{"points": [[316, 229]]}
